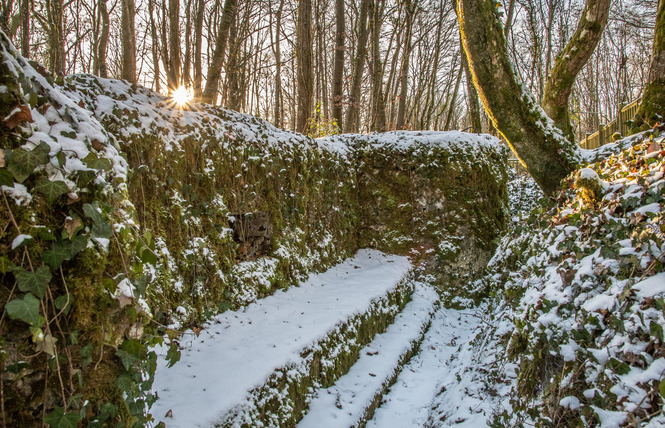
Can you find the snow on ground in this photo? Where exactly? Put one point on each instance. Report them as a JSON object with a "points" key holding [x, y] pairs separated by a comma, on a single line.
{"points": [[239, 350]]}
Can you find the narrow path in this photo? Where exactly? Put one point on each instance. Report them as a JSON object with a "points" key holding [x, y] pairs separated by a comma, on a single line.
{"points": [[238, 350]]}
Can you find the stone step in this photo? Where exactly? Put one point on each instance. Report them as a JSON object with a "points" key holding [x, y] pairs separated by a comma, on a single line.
{"points": [[260, 366], [351, 401]]}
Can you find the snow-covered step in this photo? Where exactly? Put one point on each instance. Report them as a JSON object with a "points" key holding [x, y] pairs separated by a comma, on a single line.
{"points": [[259, 366], [351, 401]]}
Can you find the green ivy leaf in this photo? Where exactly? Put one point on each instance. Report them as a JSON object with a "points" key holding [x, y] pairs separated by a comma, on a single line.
{"points": [[51, 189], [25, 309], [656, 330], [173, 354], [86, 355], [59, 419], [5, 264], [661, 388], [126, 358], [6, 178], [95, 162], [24, 162], [100, 227], [34, 282], [124, 383], [55, 256]]}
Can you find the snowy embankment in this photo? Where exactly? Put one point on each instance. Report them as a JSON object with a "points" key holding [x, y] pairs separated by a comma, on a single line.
{"points": [[246, 362]]}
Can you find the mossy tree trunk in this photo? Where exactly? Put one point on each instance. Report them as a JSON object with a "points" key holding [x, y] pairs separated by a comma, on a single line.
{"points": [[538, 144], [570, 62], [338, 73], [351, 119], [652, 108]]}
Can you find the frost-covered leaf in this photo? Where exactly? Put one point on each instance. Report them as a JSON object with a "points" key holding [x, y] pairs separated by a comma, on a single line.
{"points": [[24, 162], [25, 309], [34, 282], [59, 419], [51, 189]]}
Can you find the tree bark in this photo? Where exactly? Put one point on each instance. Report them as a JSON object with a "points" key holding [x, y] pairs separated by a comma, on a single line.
{"points": [[404, 69], [472, 96], [351, 120], [652, 108], [198, 43], [173, 71], [25, 28], [279, 104], [305, 75], [378, 122], [155, 46], [338, 72], [128, 41], [531, 135], [215, 69], [100, 67], [571, 61]]}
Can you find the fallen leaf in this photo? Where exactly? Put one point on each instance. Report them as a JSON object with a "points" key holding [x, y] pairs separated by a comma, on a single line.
{"points": [[18, 115], [71, 224], [97, 145], [197, 331], [169, 414], [654, 147], [72, 198], [124, 300], [2, 158], [81, 104]]}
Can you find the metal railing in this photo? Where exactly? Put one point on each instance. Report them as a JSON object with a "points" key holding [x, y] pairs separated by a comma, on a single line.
{"points": [[605, 132]]}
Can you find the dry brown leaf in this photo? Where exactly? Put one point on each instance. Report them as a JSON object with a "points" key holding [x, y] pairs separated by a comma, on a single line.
{"points": [[124, 300], [71, 224], [169, 414], [197, 331], [2, 158], [97, 145], [81, 104], [653, 147], [18, 115], [72, 198]]}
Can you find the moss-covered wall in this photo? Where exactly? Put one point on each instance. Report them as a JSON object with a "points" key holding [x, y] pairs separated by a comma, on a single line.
{"points": [[141, 218]]}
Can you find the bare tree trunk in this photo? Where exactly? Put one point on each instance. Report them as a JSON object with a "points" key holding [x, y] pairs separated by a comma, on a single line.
{"points": [[25, 27], [215, 68], [571, 61], [279, 103], [155, 46], [351, 120], [404, 70], [173, 71], [338, 72], [128, 41], [653, 102], [187, 58], [472, 96], [198, 42], [234, 98], [378, 122], [453, 99], [540, 147], [305, 78], [100, 67]]}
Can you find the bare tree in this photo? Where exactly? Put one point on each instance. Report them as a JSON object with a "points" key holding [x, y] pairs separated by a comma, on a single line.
{"points": [[215, 67], [128, 41], [304, 60], [653, 102]]}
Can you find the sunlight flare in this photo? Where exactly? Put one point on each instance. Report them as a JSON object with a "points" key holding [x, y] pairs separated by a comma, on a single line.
{"points": [[182, 96]]}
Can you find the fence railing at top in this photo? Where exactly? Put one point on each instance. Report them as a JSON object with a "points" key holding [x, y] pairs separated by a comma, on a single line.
{"points": [[605, 132]]}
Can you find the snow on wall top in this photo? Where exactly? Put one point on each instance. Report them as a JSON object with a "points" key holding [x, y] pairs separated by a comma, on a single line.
{"points": [[75, 138], [402, 140]]}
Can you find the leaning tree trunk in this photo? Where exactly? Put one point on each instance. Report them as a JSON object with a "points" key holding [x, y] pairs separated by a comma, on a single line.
{"points": [[215, 68], [531, 135], [305, 80], [571, 61], [100, 68], [652, 108], [128, 41], [338, 72]]}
